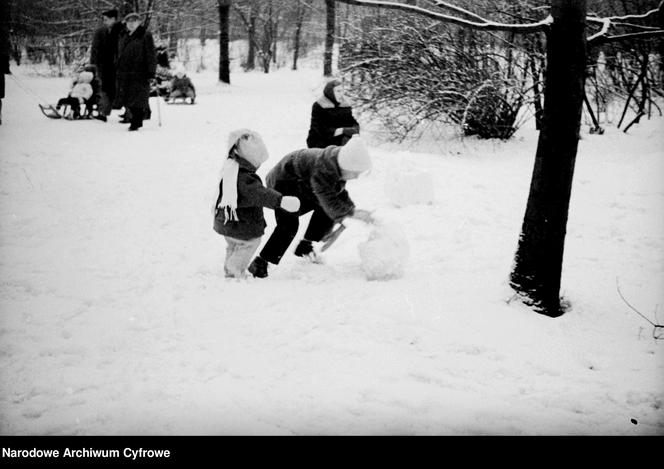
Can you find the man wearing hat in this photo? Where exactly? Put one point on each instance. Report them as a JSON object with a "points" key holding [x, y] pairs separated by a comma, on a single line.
{"points": [[103, 54], [317, 176], [136, 65]]}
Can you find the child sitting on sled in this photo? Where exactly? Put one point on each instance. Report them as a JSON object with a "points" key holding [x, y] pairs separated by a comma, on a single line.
{"points": [[81, 91], [182, 87], [238, 210]]}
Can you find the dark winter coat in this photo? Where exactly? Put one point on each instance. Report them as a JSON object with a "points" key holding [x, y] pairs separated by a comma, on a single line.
{"points": [[252, 196], [136, 65], [313, 175], [103, 54], [182, 84], [326, 117], [5, 46]]}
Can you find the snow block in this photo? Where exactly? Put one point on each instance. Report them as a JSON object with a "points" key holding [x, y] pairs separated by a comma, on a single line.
{"points": [[409, 187], [385, 253]]}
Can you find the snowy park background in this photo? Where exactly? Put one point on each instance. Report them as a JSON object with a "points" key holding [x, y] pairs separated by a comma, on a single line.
{"points": [[116, 318]]}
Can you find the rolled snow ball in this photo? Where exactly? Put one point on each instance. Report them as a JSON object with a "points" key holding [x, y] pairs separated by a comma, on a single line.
{"points": [[385, 253], [410, 187]]}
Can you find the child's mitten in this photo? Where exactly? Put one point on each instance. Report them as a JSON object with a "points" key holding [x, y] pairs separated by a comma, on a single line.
{"points": [[290, 203]]}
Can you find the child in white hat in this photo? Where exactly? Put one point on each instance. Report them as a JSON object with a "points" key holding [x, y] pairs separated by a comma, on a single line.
{"points": [[317, 177], [238, 213]]}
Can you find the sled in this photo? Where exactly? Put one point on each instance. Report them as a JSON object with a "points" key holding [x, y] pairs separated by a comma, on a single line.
{"points": [[179, 100], [49, 111], [332, 236]]}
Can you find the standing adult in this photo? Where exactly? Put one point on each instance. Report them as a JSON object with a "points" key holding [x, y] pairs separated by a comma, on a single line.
{"points": [[332, 121], [317, 176], [103, 54], [136, 66], [5, 49]]}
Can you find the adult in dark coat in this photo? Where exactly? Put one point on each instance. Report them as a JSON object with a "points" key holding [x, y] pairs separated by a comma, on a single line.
{"points": [[317, 176], [103, 54], [136, 65], [5, 49], [332, 121]]}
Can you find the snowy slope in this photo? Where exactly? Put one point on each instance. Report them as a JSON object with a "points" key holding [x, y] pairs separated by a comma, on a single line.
{"points": [[116, 318]]}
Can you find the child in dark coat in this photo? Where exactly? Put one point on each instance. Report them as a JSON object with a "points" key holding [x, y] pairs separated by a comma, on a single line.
{"points": [[182, 87], [317, 176], [238, 214], [332, 121]]}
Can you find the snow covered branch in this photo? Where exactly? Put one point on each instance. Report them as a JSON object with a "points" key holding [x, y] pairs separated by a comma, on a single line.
{"points": [[478, 23], [629, 17], [609, 21], [600, 39], [441, 4], [606, 24]]}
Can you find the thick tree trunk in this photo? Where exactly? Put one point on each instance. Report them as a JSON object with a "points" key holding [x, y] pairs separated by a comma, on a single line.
{"points": [[538, 261], [329, 38], [224, 55]]}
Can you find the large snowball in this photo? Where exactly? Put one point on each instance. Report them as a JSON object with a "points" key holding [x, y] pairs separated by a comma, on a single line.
{"points": [[385, 253], [409, 186]]}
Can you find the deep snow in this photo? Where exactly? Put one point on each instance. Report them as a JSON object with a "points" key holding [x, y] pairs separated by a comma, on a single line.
{"points": [[116, 317]]}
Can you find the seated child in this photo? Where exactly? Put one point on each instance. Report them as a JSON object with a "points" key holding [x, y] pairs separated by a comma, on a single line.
{"points": [[81, 91], [162, 81], [182, 87], [99, 101], [238, 210]]}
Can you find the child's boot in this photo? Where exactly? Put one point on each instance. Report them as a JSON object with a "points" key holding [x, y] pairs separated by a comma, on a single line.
{"points": [[258, 267], [305, 249]]}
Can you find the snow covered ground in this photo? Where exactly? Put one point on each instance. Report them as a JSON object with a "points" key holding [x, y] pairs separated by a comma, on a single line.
{"points": [[116, 318]]}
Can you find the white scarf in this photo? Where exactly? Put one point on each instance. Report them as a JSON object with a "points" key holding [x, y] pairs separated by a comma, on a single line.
{"points": [[228, 201]]}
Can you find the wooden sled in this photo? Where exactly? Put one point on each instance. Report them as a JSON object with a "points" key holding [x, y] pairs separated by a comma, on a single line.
{"points": [[50, 111]]}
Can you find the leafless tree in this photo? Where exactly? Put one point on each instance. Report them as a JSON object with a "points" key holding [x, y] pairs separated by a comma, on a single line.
{"points": [[224, 39], [537, 269], [330, 12]]}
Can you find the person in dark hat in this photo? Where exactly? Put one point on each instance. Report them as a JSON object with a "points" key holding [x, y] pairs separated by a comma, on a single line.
{"points": [[103, 54], [136, 66], [332, 121]]}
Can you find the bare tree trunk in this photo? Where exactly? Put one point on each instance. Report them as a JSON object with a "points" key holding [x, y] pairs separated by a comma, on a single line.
{"points": [[251, 31], [224, 55], [539, 257], [148, 13], [329, 38], [301, 10], [537, 92]]}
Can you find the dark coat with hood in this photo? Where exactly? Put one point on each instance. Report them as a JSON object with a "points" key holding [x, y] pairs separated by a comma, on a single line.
{"points": [[252, 196], [327, 115], [313, 175], [136, 65]]}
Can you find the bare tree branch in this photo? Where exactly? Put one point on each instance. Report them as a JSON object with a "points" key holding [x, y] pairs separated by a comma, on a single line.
{"points": [[441, 4], [484, 24], [621, 37], [626, 17], [657, 328]]}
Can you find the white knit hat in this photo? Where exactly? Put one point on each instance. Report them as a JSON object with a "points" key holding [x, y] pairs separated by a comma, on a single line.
{"points": [[354, 156], [85, 77], [248, 145]]}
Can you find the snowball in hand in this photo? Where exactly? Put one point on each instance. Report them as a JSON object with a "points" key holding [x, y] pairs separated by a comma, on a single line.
{"points": [[385, 253]]}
